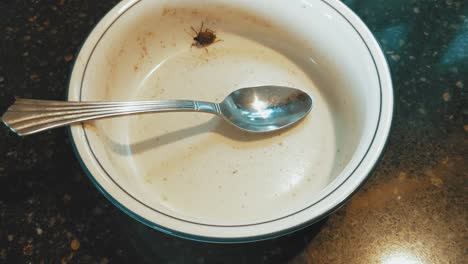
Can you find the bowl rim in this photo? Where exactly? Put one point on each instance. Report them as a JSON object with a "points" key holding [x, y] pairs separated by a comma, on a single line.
{"points": [[383, 126]]}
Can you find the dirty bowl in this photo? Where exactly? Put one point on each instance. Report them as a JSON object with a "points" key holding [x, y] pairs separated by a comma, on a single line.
{"points": [[190, 174]]}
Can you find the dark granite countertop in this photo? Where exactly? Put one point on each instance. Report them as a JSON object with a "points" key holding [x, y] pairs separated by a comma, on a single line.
{"points": [[411, 210]]}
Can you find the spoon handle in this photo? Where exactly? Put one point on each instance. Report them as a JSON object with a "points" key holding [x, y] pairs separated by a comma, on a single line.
{"points": [[27, 116]]}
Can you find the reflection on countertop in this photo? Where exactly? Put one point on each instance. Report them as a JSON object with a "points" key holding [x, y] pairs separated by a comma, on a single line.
{"points": [[400, 216]]}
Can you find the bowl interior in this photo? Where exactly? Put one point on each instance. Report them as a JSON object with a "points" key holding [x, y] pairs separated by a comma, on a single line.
{"points": [[195, 167]]}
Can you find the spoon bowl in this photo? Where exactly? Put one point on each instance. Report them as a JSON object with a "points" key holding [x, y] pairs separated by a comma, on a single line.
{"points": [[265, 108]]}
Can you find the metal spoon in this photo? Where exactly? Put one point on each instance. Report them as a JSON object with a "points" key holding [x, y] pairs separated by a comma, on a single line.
{"points": [[253, 109]]}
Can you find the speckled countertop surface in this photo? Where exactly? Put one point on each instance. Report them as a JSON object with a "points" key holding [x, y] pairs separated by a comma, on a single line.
{"points": [[411, 210]]}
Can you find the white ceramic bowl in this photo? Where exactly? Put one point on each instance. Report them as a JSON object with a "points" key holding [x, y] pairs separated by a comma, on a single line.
{"points": [[190, 174]]}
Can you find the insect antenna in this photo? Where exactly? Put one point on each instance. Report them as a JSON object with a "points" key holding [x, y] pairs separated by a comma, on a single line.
{"points": [[196, 33], [188, 33], [201, 27]]}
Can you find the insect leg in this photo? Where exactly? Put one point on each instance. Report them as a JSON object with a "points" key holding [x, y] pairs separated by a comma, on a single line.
{"points": [[201, 27]]}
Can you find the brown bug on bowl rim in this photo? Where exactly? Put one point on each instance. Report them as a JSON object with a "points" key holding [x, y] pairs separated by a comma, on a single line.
{"points": [[203, 38]]}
